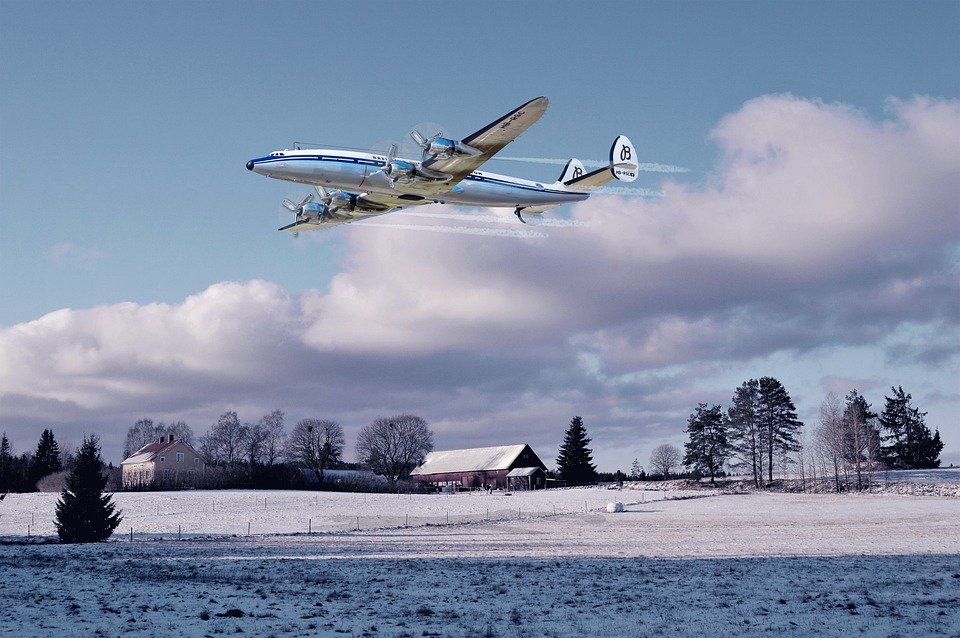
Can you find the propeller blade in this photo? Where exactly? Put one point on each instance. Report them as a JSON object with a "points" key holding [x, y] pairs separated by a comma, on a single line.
{"points": [[392, 153], [290, 206], [322, 192], [418, 138], [306, 200]]}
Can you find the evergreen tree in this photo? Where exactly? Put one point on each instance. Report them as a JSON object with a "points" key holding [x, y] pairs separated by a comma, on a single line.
{"points": [[778, 421], [84, 513], [6, 465], [575, 460], [46, 460], [908, 442], [743, 425], [708, 447], [861, 431]]}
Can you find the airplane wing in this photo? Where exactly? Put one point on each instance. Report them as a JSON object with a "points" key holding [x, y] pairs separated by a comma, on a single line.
{"points": [[489, 141], [368, 205]]}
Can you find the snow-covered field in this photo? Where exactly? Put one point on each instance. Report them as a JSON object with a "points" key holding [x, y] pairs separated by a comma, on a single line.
{"points": [[230, 512], [723, 564]]}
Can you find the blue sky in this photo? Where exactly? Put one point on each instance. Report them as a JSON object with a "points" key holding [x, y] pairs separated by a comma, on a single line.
{"points": [[124, 128]]}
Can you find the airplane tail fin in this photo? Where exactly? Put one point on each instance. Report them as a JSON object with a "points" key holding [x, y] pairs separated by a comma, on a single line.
{"points": [[623, 166], [572, 170]]}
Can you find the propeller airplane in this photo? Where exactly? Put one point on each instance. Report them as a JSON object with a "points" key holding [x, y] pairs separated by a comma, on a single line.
{"points": [[352, 185]]}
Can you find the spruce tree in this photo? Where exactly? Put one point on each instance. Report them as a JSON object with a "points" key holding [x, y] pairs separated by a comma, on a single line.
{"points": [[46, 460], [84, 513], [744, 429], [708, 448], [575, 460], [6, 465], [779, 424], [908, 443]]}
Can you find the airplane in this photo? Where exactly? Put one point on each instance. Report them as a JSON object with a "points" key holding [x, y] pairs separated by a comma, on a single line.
{"points": [[352, 185]]}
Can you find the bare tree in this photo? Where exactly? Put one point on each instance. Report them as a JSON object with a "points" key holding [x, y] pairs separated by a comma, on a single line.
{"points": [[272, 425], [318, 444], [829, 436], [664, 458], [255, 441], [225, 443], [393, 447]]}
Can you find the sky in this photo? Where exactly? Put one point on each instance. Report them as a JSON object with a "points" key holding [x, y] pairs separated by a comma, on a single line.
{"points": [[813, 235]]}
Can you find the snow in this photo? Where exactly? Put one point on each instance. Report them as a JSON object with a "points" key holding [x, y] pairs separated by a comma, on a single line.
{"points": [[695, 562]]}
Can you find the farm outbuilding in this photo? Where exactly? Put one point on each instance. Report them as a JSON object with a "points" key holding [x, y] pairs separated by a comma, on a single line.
{"points": [[504, 467]]}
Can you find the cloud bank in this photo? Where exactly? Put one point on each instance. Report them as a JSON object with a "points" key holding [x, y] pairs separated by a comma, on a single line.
{"points": [[819, 230]]}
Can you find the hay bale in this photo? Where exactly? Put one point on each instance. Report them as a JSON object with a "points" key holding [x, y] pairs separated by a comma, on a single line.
{"points": [[613, 508]]}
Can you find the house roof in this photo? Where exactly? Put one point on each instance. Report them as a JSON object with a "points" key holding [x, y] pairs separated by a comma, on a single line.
{"points": [[150, 451], [470, 460]]}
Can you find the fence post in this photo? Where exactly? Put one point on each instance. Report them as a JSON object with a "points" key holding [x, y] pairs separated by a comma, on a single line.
{"points": [[264, 502], [358, 523], [28, 531], [310, 527], [131, 534], [448, 518], [406, 520], [178, 532], [248, 528]]}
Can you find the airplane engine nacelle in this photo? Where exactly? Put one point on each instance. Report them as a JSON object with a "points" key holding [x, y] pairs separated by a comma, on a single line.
{"points": [[343, 201], [445, 148], [400, 170], [314, 211]]}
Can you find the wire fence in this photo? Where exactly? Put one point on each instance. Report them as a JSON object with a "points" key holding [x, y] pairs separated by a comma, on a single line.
{"points": [[158, 515]]}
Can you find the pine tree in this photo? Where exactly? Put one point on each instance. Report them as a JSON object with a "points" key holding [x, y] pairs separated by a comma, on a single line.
{"points": [[6, 465], [928, 454], [575, 460], [708, 448], [778, 421], [84, 513], [46, 460], [744, 429], [908, 442]]}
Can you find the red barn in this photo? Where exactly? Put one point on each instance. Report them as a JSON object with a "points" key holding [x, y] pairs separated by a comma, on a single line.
{"points": [[514, 467]]}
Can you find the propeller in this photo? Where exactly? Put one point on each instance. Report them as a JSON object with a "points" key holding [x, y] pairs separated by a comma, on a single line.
{"points": [[297, 209], [441, 147]]}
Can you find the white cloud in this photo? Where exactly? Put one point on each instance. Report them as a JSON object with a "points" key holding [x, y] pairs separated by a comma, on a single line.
{"points": [[819, 228], [67, 254]]}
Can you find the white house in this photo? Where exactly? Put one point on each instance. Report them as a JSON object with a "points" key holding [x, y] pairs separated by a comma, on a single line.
{"points": [[164, 462]]}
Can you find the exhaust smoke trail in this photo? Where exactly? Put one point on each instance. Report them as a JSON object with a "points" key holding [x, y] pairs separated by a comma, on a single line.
{"points": [[648, 167], [492, 219], [628, 192], [459, 230]]}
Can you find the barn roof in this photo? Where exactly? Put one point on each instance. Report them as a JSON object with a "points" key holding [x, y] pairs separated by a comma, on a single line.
{"points": [[523, 471], [470, 460]]}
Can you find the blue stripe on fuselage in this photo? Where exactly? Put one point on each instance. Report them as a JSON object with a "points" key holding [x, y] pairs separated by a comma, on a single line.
{"points": [[354, 160]]}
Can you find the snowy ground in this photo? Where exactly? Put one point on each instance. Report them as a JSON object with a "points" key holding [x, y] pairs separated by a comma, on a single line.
{"points": [[730, 565]]}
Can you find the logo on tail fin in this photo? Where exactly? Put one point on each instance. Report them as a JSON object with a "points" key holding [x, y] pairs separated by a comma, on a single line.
{"points": [[622, 159]]}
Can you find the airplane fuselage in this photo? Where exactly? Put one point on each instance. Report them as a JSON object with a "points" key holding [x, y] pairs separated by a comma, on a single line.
{"points": [[361, 172]]}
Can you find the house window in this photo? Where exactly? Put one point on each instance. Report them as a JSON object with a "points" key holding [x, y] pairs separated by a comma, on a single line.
{"points": [[162, 459], [196, 460], [179, 457]]}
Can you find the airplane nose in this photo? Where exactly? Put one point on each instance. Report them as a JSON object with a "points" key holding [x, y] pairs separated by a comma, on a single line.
{"points": [[250, 165]]}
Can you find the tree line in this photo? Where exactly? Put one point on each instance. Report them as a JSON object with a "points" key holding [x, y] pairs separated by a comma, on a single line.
{"points": [[760, 433], [261, 454]]}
